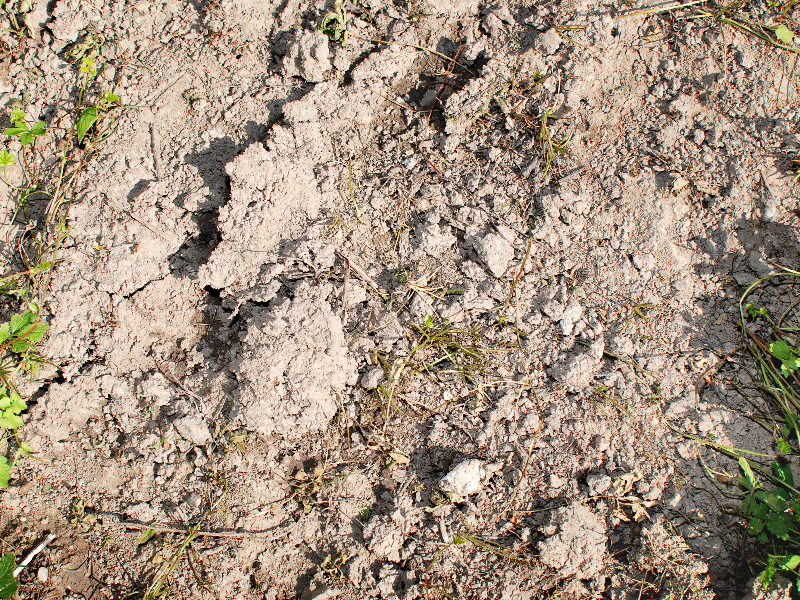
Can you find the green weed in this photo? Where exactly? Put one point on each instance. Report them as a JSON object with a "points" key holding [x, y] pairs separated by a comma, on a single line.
{"points": [[8, 583], [551, 147], [770, 499], [334, 24], [47, 162], [332, 565]]}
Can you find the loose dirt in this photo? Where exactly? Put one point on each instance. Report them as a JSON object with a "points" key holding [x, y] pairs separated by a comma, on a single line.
{"points": [[304, 282]]}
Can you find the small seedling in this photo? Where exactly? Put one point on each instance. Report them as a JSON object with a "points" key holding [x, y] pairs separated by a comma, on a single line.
{"points": [[334, 24], [305, 486], [639, 311], [332, 565], [21, 130], [551, 147]]}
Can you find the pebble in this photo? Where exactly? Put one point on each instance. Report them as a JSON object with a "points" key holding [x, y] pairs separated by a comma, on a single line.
{"points": [[42, 574], [464, 479], [371, 379]]}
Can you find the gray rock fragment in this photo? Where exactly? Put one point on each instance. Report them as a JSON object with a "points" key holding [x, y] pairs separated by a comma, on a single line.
{"points": [[194, 429], [433, 240], [462, 7], [294, 359], [598, 483], [371, 379], [549, 41], [464, 479], [571, 315], [495, 252], [309, 57], [578, 372], [577, 543]]}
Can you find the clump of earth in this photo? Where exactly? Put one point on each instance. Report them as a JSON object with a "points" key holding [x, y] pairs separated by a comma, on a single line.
{"points": [[335, 307]]}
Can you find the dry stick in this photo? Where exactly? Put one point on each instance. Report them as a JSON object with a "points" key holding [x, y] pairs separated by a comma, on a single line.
{"points": [[430, 162], [538, 429], [660, 10], [174, 380], [420, 48], [362, 274], [352, 195], [32, 554], [449, 74], [519, 274], [144, 224], [220, 534], [345, 290]]}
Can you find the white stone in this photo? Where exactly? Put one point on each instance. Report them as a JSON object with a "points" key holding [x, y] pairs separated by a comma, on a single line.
{"points": [[464, 479], [194, 429], [371, 379]]}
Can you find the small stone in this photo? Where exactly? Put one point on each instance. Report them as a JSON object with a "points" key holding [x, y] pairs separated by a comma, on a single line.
{"points": [[194, 429], [553, 309], [706, 424], [577, 545], [42, 574], [550, 41], [410, 163], [572, 314], [464, 479], [495, 252], [371, 379], [598, 483], [309, 57]]}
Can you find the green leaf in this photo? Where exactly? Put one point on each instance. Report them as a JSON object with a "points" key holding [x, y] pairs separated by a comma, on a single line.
{"points": [[748, 481], [111, 97], [20, 322], [5, 472], [784, 34], [86, 121], [17, 403], [45, 264], [24, 448], [759, 510], [20, 346], [25, 138], [783, 472], [8, 583], [780, 350], [4, 332], [766, 576], [755, 526], [39, 128], [774, 503], [88, 66], [37, 332], [10, 421], [146, 535], [457, 539], [779, 525], [791, 563], [6, 158], [14, 130], [784, 446]]}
